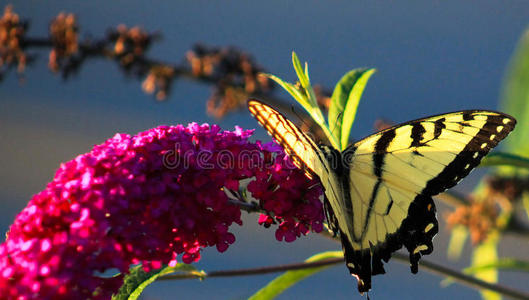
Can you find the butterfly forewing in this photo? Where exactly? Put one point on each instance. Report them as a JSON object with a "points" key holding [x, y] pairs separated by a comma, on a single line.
{"points": [[302, 150]]}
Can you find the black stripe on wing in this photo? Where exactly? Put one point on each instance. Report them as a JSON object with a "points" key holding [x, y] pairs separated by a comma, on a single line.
{"points": [[495, 129], [378, 164]]}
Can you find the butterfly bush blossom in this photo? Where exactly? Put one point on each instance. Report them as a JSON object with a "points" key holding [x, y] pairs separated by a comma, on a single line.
{"points": [[147, 199]]}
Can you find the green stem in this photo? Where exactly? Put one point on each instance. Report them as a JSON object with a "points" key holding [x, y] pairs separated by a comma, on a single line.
{"points": [[426, 265]]}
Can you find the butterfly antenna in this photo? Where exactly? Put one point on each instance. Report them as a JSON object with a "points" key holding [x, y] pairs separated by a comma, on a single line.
{"points": [[305, 123], [299, 117], [336, 122]]}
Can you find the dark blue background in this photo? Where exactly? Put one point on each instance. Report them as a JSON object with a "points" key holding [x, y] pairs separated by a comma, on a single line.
{"points": [[431, 56]]}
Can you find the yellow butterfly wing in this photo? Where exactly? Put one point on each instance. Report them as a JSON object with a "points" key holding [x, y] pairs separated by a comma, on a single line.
{"points": [[302, 150], [392, 175]]}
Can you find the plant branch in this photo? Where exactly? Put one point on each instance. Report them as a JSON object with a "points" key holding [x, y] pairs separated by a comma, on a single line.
{"points": [[425, 264], [256, 271], [466, 279], [234, 75], [248, 207]]}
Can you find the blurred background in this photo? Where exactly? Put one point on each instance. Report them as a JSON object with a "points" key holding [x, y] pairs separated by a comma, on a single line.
{"points": [[432, 57]]}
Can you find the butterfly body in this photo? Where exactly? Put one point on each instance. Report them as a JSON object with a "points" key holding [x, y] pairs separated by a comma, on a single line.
{"points": [[378, 191]]}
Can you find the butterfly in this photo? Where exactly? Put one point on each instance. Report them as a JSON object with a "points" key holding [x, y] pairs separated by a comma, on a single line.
{"points": [[378, 191]]}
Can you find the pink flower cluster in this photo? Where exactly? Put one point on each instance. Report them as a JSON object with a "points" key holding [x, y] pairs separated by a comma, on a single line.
{"points": [[146, 199], [277, 187]]}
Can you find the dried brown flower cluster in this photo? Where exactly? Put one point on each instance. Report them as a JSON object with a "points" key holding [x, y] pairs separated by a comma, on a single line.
{"points": [[235, 73], [478, 216], [64, 37], [12, 31], [130, 44], [158, 81]]}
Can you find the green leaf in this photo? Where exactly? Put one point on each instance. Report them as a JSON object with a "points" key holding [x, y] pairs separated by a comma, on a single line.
{"points": [[515, 101], [292, 90], [288, 279], [299, 70], [339, 100], [304, 79], [457, 241], [505, 159], [307, 99], [307, 71], [339, 97], [346, 96], [484, 254], [137, 280], [506, 264], [351, 105], [303, 76]]}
